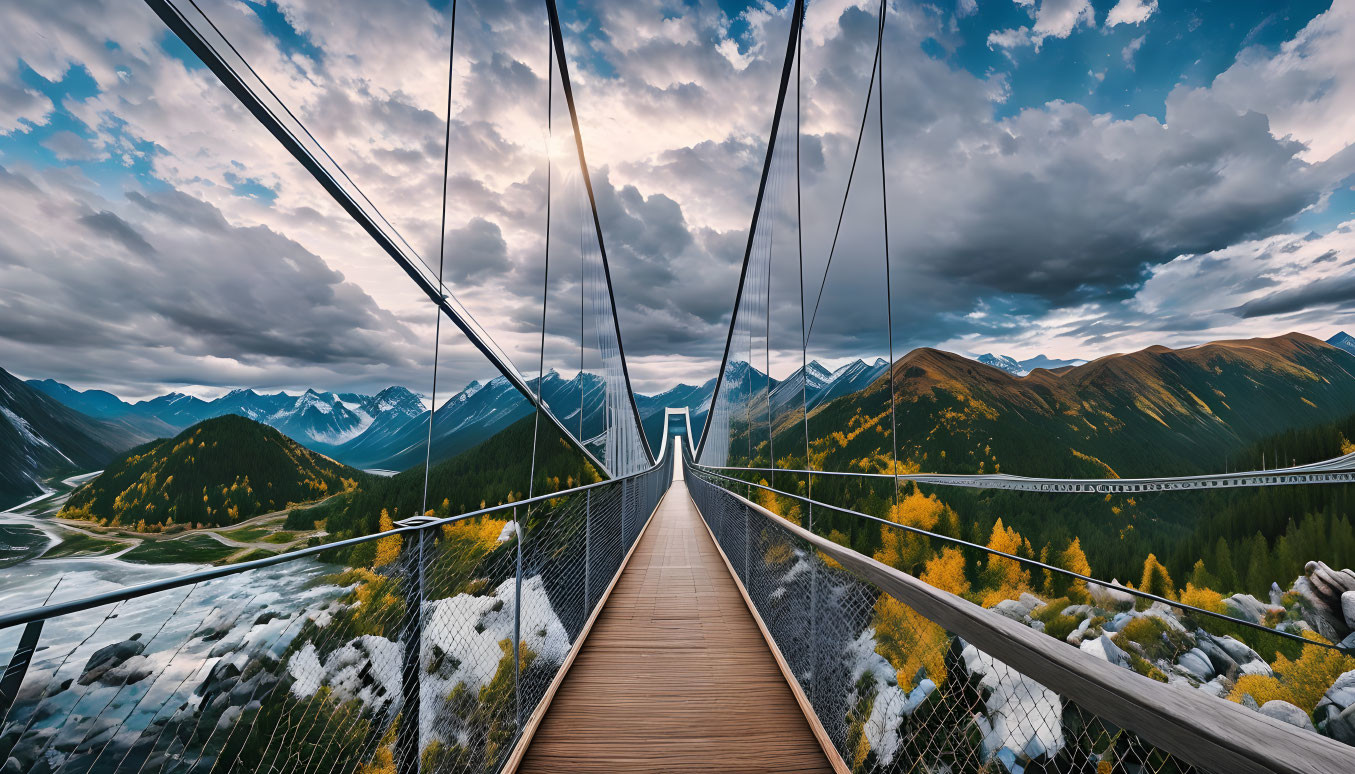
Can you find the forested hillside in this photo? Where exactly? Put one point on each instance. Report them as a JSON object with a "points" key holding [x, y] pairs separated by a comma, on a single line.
{"points": [[214, 473], [494, 472]]}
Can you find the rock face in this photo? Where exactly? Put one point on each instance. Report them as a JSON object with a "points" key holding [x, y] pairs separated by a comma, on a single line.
{"points": [[1323, 591], [1335, 713], [109, 657], [1288, 713]]}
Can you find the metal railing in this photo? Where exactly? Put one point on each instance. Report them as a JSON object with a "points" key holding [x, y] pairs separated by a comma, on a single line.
{"points": [[906, 677], [429, 657], [724, 479]]}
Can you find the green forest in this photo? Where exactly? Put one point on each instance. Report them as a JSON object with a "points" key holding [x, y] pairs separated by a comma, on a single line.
{"points": [[213, 474]]}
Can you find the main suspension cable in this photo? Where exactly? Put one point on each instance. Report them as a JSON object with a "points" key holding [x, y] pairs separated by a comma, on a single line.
{"points": [[442, 253], [889, 285], [851, 175]]}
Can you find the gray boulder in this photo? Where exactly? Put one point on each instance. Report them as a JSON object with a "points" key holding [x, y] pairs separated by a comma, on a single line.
{"points": [[1196, 663], [1249, 608], [1235, 649], [1287, 713], [1105, 648], [1118, 622], [1348, 608], [110, 656], [1017, 609], [1335, 712], [1218, 658]]}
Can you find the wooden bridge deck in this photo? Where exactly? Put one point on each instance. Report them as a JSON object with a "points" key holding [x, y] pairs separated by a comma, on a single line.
{"points": [[675, 675]]}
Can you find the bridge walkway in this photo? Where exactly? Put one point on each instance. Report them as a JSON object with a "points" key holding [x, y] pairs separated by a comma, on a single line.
{"points": [[675, 674]]}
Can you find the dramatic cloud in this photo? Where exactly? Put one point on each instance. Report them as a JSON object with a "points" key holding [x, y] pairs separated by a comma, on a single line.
{"points": [[157, 235]]}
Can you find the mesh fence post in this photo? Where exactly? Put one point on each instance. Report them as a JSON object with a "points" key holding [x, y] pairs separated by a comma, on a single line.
{"points": [[517, 626], [407, 736], [746, 540], [587, 553]]}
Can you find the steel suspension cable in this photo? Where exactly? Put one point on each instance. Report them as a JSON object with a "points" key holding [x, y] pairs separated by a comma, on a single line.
{"points": [[796, 16], [800, 245], [545, 275], [442, 254], [889, 285], [851, 175]]}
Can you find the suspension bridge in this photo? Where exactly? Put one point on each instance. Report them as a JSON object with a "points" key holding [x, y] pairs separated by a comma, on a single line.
{"points": [[663, 619]]}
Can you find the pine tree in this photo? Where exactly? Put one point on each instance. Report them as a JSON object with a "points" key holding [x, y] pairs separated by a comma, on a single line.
{"points": [[1224, 567], [1259, 572], [1202, 578], [1156, 580]]}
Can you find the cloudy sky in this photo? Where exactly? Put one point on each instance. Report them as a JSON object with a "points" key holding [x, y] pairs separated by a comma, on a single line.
{"points": [[1065, 177]]}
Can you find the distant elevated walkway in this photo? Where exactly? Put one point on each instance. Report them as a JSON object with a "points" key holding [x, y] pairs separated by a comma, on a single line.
{"points": [[675, 675]]}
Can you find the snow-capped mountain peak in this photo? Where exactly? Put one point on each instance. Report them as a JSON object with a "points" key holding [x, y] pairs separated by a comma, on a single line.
{"points": [[1002, 362], [1343, 341]]}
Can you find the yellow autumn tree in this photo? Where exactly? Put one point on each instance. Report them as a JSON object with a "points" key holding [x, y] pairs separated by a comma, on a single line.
{"points": [[387, 548], [1301, 681], [904, 550], [946, 572], [909, 641], [1005, 578], [1155, 579], [1073, 559]]}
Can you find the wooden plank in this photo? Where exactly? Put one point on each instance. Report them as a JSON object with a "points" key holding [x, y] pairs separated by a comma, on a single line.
{"points": [[1208, 732], [534, 722], [806, 708], [675, 675]]}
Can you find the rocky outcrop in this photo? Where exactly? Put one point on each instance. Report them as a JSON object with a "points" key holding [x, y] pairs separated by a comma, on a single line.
{"points": [[110, 657], [1322, 591], [1335, 712]]}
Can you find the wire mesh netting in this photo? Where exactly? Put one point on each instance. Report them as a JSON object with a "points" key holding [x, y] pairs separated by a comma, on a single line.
{"points": [[893, 690], [455, 630]]}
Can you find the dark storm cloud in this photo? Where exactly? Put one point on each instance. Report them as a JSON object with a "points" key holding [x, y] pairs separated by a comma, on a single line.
{"points": [[476, 253], [1337, 292], [99, 290], [109, 225]]}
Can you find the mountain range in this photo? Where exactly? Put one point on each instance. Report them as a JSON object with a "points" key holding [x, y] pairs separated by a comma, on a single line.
{"points": [[40, 437], [217, 472], [1157, 411], [1343, 341], [1022, 367], [47, 427]]}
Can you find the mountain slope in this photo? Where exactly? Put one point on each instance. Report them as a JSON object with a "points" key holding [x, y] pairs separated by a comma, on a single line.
{"points": [[217, 472], [40, 437], [488, 473], [1153, 412]]}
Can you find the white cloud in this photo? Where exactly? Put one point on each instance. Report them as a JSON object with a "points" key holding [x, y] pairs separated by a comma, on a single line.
{"points": [[1131, 49], [1130, 12], [1307, 89], [1058, 19], [1053, 19], [1013, 38]]}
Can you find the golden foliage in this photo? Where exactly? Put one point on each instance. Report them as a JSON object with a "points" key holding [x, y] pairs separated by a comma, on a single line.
{"points": [[1155, 579], [387, 548], [946, 572], [909, 642], [1073, 559], [1207, 599], [1002, 573]]}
